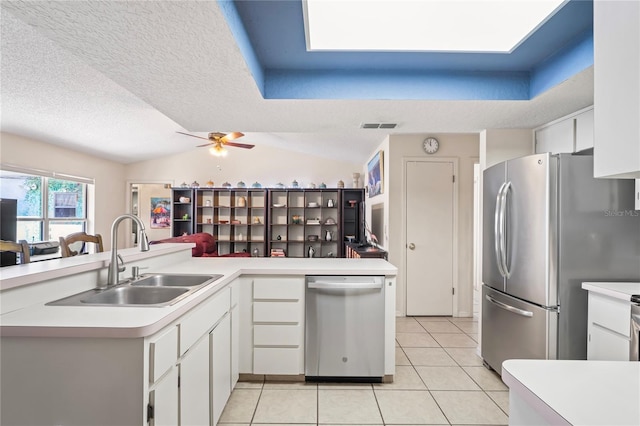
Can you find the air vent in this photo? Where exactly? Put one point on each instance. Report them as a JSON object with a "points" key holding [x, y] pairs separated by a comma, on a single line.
{"points": [[378, 125]]}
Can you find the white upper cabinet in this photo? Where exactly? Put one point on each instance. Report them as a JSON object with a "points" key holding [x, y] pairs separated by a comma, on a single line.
{"points": [[584, 130], [556, 138], [616, 34], [573, 133]]}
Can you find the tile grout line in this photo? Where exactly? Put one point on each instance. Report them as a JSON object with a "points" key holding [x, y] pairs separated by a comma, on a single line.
{"points": [[457, 363]]}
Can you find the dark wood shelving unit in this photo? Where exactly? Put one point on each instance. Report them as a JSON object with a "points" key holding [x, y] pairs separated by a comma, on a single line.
{"points": [[255, 222]]}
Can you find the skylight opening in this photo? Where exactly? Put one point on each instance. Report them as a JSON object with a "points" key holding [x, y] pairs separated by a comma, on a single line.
{"points": [[497, 26]]}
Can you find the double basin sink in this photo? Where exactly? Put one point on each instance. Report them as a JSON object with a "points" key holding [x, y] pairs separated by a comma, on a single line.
{"points": [[156, 290]]}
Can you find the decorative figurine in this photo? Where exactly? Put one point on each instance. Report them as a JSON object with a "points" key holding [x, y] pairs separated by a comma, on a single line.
{"points": [[340, 184], [356, 180]]}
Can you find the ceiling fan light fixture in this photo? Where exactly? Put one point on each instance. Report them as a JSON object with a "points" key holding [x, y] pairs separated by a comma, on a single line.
{"points": [[218, 150]]}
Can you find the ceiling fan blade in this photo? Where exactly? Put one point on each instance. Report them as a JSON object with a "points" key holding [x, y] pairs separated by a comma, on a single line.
{"points": [[193, 136], [204, 144], [239, 145], [231, 136]]}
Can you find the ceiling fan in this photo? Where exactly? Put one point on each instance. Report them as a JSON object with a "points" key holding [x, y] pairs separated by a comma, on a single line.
{"points": [[217, 142]]}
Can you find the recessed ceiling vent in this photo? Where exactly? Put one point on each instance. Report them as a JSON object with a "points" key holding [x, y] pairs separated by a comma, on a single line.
{"points": [[378, 125]]}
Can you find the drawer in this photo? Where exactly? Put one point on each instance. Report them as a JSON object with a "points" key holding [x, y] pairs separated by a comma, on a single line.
{"points": [[277, 361], [203, 318], [163, 353], [277, 335], [610, 313], [277, 312], [606, 346], [278, 288]]}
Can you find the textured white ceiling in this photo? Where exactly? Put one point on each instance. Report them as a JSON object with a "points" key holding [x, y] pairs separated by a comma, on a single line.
{"points": [[117, 79]]}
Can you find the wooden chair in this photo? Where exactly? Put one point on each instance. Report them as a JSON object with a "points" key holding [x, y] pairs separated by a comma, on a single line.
{"points": [[21, 247], [79, 237]]}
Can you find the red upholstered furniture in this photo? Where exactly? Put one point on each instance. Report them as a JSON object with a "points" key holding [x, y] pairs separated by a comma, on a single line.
{"points": [[205, 245]]}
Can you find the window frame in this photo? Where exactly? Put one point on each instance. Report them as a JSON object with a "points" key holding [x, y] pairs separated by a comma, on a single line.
{"points": [[45, 219]]}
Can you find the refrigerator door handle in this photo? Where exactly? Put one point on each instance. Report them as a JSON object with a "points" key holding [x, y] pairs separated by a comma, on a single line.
{"points": [[503, 227], [509, 308], [497, 230]]}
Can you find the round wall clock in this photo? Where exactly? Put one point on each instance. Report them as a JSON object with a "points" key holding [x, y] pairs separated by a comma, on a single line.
{"points": [[430, 145]]}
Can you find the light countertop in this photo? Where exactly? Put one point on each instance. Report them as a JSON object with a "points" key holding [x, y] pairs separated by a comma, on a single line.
{"points": [[578, 392], [129, 322], [617, 290]]}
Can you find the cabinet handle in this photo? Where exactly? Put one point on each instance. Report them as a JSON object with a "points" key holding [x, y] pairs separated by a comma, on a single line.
{"points": [[412, 246]]}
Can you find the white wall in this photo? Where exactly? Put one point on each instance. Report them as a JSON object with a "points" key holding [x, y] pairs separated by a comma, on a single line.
{"points": [[262, 164], [504, 144], [110, 194], [464, 147]]}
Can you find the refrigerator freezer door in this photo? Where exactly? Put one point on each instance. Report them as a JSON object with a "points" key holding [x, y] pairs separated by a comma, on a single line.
{"points": [[531, 228], [493, 180], [513, 329]]}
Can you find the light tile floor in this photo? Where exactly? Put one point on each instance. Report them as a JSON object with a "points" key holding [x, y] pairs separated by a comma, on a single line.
{"points": [[439, 380]]}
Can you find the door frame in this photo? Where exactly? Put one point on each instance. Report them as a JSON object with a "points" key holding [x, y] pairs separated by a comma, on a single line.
{"points": [[128, 207], [403, 261]]}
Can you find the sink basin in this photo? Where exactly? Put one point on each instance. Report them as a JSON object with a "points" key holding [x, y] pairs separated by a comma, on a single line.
{"points": [[156, 290], [127, 295], [173, 280]]}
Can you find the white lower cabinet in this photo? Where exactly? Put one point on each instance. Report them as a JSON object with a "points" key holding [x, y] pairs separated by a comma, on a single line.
{"points": [[609, 328], [220, 341], [278, 325], [194, 385], [164, 397], [235, 345], [198, 349]]}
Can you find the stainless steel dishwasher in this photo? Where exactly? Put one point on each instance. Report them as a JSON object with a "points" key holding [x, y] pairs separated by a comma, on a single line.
{"points": [[344, 339]]}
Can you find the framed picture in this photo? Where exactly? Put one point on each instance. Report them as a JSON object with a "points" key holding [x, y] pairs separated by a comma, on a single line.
{"points": [[375, 174], [160, 212]]}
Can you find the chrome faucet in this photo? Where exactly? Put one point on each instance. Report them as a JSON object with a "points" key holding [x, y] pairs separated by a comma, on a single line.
{"points": [[114, 266]]}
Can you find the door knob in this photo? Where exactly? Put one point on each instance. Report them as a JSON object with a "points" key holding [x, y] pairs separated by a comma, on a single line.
{"points": [[412, 246]]}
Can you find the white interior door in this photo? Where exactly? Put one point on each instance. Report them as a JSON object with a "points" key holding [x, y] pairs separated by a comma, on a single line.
{"points": [[429, 250]]}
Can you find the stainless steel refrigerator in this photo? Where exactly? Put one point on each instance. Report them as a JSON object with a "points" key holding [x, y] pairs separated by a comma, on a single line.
{"points": [[548, 225]]}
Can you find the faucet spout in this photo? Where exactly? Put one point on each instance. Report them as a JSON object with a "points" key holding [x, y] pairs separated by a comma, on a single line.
{"points": [[114, 268]]}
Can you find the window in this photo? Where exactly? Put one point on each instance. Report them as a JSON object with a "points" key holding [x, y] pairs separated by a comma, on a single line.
{"points": [[48, 206]]}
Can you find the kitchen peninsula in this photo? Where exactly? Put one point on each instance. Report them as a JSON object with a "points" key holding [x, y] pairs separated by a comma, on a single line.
{"points": [[121, 365]]}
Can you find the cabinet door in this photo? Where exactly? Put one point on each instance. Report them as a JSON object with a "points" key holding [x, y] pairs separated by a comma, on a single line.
{"points": [[164, 400], [194, 385], [235, 346], [606, 345], [616, 50], [220, 341], [556, 138], [584, 131]]}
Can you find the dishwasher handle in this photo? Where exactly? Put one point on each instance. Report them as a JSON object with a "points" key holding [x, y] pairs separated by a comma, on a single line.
{"points": [[329, 285]]}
